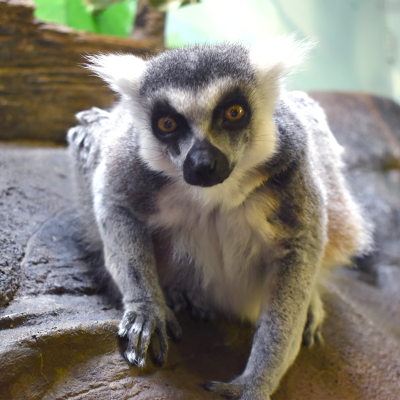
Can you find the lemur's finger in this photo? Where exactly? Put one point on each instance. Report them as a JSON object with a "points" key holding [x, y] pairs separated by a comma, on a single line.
{"points": [[134, 335], [163, 345], [173, 326], [126, 322], [144, 342]]}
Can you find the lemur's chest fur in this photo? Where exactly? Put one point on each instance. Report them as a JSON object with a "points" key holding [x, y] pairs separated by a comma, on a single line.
{"points": [[218, 251]]}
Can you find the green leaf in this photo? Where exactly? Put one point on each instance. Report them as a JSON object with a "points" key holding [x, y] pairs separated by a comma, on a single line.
{"points": [[116, 20], [79, 17], [51, 10]]}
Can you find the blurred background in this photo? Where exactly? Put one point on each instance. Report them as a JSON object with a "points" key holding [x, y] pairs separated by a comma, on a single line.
{"points": [[358, 40]]}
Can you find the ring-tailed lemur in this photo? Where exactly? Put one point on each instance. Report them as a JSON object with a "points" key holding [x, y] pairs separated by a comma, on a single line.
{"points": [[207, 184]]}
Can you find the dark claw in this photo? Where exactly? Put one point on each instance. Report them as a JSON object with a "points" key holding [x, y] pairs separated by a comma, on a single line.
{"points": [[131, 358], [210, 386], [160, 361]]}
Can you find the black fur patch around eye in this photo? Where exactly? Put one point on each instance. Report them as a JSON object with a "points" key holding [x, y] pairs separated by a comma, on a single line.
{"points": [[235, 97], [165, 110]]}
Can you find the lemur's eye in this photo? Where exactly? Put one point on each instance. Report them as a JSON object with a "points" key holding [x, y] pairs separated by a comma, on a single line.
{"points": [[166, 124], [234, 113]]}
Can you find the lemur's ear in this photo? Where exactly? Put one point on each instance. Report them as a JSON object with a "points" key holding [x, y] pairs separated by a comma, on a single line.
{"points": [[122, 72], [277, 57]]}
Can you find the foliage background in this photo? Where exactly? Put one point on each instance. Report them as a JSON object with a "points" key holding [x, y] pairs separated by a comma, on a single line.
{"points": [[358, 40], [116, 20]]}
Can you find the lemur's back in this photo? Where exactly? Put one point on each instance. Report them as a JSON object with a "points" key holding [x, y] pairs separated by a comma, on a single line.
{"points": [[347, 232]]}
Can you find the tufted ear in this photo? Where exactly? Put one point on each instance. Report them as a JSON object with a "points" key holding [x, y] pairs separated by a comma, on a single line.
{"points": [[277, 57], [122, 72]]}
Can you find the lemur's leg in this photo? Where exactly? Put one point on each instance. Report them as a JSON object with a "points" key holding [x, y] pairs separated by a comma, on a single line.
{"points": [[129, 258], [278, 336]]}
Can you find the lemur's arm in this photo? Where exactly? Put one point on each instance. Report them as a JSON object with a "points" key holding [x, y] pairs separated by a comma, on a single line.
{"points": [[109, 177], [289, 284], [130, 260], [279, 329]]}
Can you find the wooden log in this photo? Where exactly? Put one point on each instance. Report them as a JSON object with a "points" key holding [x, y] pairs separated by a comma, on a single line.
{"points": [[42, 82]]}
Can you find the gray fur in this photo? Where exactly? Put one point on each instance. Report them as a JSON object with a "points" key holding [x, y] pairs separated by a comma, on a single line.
{"points": [[201, 66], [250, 247]]}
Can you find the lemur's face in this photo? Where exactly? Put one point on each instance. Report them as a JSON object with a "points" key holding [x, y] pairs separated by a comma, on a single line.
{"points": [[203, 114], [203, 109], [203, 133]]}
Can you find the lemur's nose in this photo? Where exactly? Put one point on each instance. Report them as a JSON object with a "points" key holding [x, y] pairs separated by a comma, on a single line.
{"points": [[205, 165]]}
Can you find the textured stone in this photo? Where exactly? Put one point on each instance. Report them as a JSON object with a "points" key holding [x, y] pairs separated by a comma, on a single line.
{"points": [[33, 183], [11, 255]]}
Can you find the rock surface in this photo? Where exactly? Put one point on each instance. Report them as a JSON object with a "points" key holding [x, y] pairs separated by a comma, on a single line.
{"points": [[57, 329], [33, 186]]}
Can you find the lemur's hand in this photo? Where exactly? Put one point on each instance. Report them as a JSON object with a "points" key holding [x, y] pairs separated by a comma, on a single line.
{"points": [[138, 324]]}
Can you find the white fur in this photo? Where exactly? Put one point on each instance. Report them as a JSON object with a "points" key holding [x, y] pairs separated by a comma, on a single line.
{"points": [[229, 247], [198, 107], [276, 57], [122, 72], [272, 59]]}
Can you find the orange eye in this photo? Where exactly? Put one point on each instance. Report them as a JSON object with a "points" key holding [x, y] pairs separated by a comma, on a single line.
{"points": [[234, 113], [166, 124]]}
